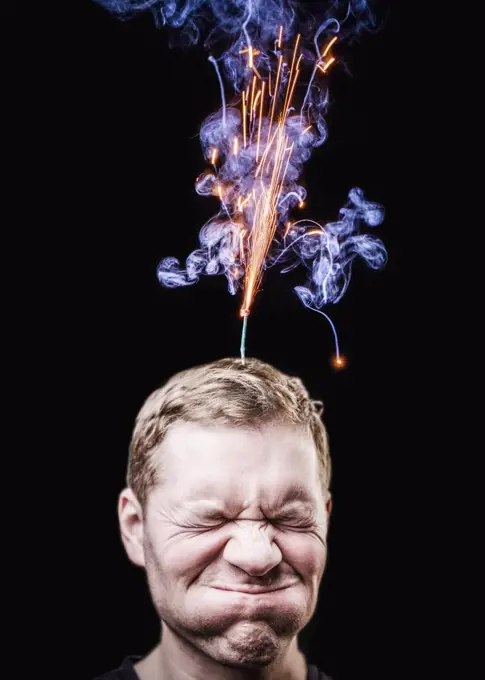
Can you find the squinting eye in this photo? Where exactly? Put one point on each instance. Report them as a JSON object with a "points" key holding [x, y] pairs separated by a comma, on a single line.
{"points": [[289, 517], [214, 519]]}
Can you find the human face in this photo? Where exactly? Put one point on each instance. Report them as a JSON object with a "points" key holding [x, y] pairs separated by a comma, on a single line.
{"points": [[235, 538]]}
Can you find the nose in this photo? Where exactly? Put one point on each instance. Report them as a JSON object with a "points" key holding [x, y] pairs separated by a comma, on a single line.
{"points": [[252, 550]]}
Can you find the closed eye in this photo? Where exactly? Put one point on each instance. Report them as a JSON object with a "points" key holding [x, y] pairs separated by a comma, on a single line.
{"points": [[290, 518], [294, 519]]}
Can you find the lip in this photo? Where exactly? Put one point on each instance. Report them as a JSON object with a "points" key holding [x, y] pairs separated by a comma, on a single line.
{"points": [[251, 590]]}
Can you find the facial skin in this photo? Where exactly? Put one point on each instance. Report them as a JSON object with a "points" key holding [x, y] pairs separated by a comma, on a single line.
{"points": [[220, 521]]}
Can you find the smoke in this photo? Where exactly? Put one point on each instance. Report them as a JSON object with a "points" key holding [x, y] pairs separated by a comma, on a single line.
{"points": [[241, 23], [246, 35]]}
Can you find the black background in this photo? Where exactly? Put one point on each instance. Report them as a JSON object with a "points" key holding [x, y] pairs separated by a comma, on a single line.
{"points": [[115, 150]]}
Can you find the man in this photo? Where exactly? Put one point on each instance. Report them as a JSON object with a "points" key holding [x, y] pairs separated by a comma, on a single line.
{"points": [[227, 508]]}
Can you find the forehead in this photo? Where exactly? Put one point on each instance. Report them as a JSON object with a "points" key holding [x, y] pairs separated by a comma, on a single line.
{"points": [[276, 462]]}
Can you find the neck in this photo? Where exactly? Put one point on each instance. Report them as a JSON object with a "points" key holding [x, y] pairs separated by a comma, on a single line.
{"points": [[177, 659]]}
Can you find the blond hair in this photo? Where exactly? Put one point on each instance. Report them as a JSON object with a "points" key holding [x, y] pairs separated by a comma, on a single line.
{"points": [[224, 392]]}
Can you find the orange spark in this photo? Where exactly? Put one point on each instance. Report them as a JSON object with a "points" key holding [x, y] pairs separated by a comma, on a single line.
{"points": [[256, 100], [251, 53], [306, 129], [286, 168], [315, 231], [257, 72], [236, 145], [260, 119], [279, 125], [275, 93], [293, 86], [241, 205], [329, 46], [219, 191], [288, 226], [241, 246], [280, 36], [266, 153], [291, 94], [250, 62], [214, 156], [339, 362], [297, 41], [252, 99], [248, 49], [287, 99], [323, 69], [301, 204], [244, 117]]}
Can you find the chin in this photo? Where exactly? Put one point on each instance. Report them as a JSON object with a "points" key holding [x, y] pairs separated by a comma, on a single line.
{"points": [[247, 644]]}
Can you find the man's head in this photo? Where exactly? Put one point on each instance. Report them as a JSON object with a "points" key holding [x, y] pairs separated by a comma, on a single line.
{"points": [[228, 491]]}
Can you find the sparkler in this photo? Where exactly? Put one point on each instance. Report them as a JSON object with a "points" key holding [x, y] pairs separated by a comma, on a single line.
{"points": [[262, 215], [256, 147], [257, 189]]}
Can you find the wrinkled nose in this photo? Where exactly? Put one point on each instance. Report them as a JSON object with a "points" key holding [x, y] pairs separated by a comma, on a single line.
{"points": [[251, 549]]}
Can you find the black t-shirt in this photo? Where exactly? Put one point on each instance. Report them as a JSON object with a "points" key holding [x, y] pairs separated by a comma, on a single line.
{"points": [[127, 671]]}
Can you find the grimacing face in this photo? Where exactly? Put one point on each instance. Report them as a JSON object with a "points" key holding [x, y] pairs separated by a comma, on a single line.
{"points": [[240, 510]]}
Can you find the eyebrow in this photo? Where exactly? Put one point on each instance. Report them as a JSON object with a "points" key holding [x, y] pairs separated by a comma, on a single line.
{"points": [[295, 494]]}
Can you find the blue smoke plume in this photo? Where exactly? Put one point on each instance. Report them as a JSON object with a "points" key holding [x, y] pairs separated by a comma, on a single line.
{"points": [[237, 28]]}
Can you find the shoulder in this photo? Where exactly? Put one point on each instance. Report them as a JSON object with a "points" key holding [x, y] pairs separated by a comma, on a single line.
{"points": [[110, 675], [315, 673], [124, 672]]}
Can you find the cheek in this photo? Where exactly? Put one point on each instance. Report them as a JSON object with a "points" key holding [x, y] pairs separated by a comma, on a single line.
{"points": [[304, 552], [184, 555], [172, 563]]}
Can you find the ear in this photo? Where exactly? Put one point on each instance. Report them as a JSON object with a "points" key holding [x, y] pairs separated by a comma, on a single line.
{"points": [[328, 504], [130, 519]]}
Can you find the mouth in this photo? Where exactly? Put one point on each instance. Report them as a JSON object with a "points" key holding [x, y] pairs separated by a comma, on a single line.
{"points": [[251, 590]]}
